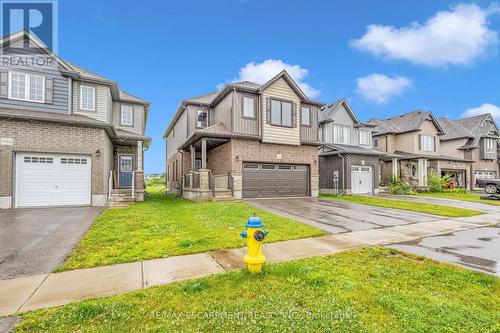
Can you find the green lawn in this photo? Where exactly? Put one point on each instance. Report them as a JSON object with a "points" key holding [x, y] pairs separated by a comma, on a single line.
{"points": [[165, 226], [460, 196], [419, 207], [363, 290]]}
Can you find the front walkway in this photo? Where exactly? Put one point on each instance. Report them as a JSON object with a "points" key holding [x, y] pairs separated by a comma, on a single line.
{"points": [[46, 290]]}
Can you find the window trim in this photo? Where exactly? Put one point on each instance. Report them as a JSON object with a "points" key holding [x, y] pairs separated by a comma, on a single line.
{"points": [[254, 98], [369, 141], [281, 112], [421, 145], [349, 136], [131, 115], [94, 99], [197, 115], [27, 87], [301, 116]]}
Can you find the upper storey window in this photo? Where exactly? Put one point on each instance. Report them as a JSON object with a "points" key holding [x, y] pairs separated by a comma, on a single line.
{"points": [[365, 138], [281, 113], [202, 119], [127, 115], [342, 134], [87, 98], [248, 107], [490, 145], [27, 87], [306, 116], [427, 142]]}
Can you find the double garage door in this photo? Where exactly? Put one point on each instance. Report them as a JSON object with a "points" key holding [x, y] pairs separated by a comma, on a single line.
{"points": [[275, 180], [52, 180]]}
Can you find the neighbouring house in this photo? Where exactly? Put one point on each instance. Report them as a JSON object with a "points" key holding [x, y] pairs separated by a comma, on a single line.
{"points": [[246, 140], [67, 136], [473, 138], [412, 145], [348, 164]]}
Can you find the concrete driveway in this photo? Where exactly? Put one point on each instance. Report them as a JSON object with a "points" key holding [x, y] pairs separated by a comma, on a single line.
{"points": [[337, 216], [477, 249], [35, 241]]}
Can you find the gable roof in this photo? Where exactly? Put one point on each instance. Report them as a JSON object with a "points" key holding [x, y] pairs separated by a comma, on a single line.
{"points": [[327, 111], [453, 130], [480, 126], [407, 122], [212, 98]]}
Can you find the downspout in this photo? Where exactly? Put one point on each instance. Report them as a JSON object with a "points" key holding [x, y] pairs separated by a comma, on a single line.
{"points": [[343, 174]]}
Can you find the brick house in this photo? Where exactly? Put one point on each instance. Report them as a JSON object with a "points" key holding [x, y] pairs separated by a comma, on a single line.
{"points": [[473, 138], [245, 140], [67, 136], [348, 164], [412, 146]]}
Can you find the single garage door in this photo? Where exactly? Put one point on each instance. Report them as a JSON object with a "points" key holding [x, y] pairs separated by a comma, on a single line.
{"points": [[52, 180], [275, 180], [361, 179]]}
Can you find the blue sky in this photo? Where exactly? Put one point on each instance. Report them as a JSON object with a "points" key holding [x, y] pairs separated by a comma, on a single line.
{"points": [[431, 55]]}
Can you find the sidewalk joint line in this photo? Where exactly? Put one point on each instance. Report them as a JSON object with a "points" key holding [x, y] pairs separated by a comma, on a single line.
{"points": [[34, 291]]}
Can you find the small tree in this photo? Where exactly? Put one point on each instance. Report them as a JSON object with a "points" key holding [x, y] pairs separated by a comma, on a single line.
{"points": [[438, 183]]}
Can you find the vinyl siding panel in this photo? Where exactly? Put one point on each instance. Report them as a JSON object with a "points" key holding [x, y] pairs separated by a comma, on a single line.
{"points": [[103, 102], [310, 133], [222, 111], [50, 70], [138, 123], [245, 125], [277, 134], [180, 130], [192, 112]]}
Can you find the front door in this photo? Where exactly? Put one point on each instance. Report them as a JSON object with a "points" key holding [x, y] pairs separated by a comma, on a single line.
{"points": [[125, 171]]}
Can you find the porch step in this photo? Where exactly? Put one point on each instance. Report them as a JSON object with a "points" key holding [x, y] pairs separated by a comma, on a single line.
{"points": [[223, 195], [122, 191], [117, 204], [120, 198]]}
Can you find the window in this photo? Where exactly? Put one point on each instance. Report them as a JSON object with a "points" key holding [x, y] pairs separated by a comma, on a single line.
{"points": [[27, 87], [201, 119], [281, 113], [375, 142], [33, 159], [248, 107], [306, 116], [70, 160], [284, 167], [490, 146], [364, 138], [127, 115], [427, 143], [341, 134], [87, 98]]}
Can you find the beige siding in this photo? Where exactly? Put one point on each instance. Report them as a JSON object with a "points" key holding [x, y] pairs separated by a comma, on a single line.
{"points": [[449, 148], [483, 165], [222, 112], [102, 103], [277, 134], [138, 125], [245, 125], [180, 130], [310, 133], [406, 142]]}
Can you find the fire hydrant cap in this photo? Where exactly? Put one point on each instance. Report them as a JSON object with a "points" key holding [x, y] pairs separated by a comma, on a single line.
{"points": [[254, 222]]}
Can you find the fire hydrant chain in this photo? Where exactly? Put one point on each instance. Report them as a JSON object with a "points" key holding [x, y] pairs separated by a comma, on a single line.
{"points": [[255, 235]]}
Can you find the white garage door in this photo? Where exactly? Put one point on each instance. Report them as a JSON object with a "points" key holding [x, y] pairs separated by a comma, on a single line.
{"points": [[52, 180], [361, 179]]}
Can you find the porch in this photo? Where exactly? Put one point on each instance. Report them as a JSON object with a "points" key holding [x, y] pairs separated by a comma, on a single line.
{"points": [[126, 175]]}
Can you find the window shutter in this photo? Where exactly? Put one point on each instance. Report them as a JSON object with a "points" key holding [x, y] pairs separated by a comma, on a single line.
{"points": [[268, 110], [49, 90], [294, 115], [420, 142], [4, 84], [434, 139]]}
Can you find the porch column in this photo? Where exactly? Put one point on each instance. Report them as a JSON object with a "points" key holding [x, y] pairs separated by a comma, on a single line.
{"points": [[193, 157], [394, 167], [204, 154], [139, 155], [422, 172]]}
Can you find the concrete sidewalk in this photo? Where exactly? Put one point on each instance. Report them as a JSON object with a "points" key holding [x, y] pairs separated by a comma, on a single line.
{"points": [[46, 290]]}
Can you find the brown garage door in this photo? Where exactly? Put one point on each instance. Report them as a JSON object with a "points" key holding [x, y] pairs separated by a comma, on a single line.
{"points": [[275, 180]]}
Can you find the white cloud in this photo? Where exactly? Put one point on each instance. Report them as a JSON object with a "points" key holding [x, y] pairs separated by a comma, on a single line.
{"points": [[381, 88], [264, 71], [454, 37], [485, 108]]}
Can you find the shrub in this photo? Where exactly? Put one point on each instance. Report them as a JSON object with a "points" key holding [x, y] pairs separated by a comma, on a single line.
{"points": [[438, 183], [397, 186], [155, 181]]}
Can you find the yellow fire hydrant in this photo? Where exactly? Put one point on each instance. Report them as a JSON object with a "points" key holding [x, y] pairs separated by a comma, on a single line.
{"points": [[255, 234]]}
